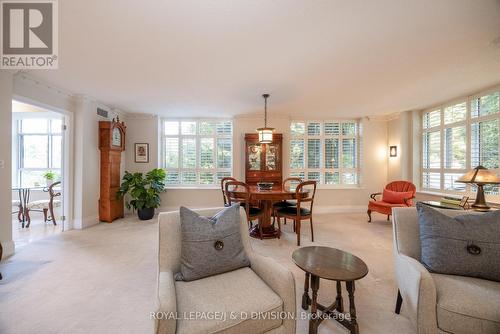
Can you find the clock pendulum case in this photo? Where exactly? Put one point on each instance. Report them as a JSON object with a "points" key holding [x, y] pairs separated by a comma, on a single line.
{"points": [[111, 145]]}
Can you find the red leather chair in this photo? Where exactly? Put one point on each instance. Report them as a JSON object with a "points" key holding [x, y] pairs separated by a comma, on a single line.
{"points": [[398, 194]]}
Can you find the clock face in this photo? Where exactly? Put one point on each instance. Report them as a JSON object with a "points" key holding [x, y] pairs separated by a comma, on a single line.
{"points": [[117, 137]]}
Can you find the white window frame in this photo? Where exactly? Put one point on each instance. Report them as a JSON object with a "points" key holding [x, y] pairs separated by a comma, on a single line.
{"points": [[322, 137], [469, 120], [197, 138], [50, 149]]}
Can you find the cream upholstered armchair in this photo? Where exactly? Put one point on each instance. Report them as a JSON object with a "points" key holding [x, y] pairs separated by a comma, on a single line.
{"points": [[265, 287], [437, 303]]}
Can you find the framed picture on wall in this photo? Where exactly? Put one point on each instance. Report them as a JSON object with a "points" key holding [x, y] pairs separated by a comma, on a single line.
{"points": [[141, 152]]}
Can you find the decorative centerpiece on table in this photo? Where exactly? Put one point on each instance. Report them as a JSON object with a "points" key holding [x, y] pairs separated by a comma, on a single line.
{"points": [[265, 185], [144, 191]]}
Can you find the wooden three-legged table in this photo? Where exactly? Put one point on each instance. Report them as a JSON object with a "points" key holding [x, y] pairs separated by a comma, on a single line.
{"points": [[331, 264]]}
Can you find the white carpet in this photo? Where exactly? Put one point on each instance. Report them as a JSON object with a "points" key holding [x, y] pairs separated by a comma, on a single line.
{"points": [[102, 279]]}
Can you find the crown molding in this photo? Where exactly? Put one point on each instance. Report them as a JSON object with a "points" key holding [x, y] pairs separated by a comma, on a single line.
{"points": [[24, 77], [139, 116]]}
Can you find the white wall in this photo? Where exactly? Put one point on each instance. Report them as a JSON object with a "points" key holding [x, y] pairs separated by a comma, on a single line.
{"points": [[397, 129], [5, 156], [145, 129]]}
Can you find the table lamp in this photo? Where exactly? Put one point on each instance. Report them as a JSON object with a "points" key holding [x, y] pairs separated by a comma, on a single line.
{"points": [[480, 176]]}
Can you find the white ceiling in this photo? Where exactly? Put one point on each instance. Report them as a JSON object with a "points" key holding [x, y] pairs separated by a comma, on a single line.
{"points": [[318, 59]]}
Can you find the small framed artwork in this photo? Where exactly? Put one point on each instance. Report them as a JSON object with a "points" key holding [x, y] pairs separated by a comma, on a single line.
{"points": [[141, 152]]}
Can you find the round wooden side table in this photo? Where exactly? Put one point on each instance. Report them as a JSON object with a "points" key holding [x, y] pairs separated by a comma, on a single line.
{"points": [[331, 264]]}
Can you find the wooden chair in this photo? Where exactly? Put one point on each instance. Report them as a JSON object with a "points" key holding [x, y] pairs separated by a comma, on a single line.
{"points": [[222, 188], [299, 213], [45, 205], [284, 204], [243, 197]]}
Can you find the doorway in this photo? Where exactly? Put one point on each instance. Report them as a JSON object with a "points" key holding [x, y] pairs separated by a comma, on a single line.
{"points": [[39, 172]]}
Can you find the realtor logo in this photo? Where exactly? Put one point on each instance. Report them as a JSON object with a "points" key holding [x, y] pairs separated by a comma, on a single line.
{"points": [[29, 34]]}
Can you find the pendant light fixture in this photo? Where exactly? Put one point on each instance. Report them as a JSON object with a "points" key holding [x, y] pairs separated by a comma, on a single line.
{"points": [[265, 133]]}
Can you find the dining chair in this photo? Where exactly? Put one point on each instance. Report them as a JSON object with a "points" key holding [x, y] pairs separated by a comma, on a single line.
{"points": [[222, 188], [242, 196], [45, 205], [298, 213], [284, 204]]}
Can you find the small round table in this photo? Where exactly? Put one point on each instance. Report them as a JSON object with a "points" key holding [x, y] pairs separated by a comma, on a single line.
{"points": [[332, 264]]}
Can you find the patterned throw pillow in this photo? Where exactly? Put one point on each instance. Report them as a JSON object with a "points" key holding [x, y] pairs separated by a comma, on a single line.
{"points": [[466, 245], [210, 246]]}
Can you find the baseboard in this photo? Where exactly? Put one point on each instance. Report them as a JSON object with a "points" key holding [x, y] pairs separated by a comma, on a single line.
{"points": [[340, 209], [89, 221], [8, 248]]}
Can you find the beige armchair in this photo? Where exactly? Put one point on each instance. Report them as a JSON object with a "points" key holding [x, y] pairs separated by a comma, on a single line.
{"points": [[265, 291], [437, 303]]}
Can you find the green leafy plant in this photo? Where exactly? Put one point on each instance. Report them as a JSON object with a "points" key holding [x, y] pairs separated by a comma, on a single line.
{"points": [[143, 190], [49, 175]]}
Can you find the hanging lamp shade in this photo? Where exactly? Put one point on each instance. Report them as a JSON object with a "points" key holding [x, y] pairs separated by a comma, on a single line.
{"points": [[265, 133]]}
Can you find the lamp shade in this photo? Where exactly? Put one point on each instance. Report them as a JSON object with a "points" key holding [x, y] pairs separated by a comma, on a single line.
{"points": [[479, 175], [265, 135]]}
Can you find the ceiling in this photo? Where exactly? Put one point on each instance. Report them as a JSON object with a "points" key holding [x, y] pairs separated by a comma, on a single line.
{"points": [[317, 59]]}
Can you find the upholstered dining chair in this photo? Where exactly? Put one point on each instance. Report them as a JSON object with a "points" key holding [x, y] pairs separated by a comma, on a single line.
{"points": [[243, 197], [222, 188], [299, 212], [396, 194], [45, 205], [284, 204], [265, 286]]}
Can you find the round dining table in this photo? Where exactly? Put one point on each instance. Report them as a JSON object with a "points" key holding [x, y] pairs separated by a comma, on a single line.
{"points": [[266, 198]]}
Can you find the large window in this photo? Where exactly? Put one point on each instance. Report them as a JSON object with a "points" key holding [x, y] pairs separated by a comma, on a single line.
{"points": [[327, 152], [458, 137], [39, 147], [197, 152]]}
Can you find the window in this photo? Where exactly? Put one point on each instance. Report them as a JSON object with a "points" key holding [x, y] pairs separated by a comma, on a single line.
{"points": [[197, 153], [327, 152], [39, 147], [457, 138]]}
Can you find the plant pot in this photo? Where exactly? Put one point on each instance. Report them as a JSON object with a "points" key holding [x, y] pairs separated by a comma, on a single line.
{"points": [[146, 213]]}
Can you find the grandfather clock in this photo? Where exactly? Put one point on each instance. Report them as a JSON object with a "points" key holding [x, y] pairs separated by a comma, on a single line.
{"points": [[111, 144]]}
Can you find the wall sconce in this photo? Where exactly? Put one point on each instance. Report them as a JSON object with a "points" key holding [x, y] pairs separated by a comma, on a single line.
{"points": [[393, 151]]}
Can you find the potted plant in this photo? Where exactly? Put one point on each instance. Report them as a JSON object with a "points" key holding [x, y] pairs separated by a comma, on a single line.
{"points": [[144, 191], [49, 176]]}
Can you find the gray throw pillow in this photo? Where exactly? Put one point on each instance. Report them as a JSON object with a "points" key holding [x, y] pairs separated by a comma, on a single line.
{"points": [[466, 245], [210, 246]]}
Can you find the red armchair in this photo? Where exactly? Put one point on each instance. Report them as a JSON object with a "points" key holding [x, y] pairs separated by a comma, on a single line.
{"points": [[396, 194]]}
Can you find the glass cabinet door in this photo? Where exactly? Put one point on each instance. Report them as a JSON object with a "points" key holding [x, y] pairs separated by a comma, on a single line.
{"points": [[272, 157], [254, 152]]}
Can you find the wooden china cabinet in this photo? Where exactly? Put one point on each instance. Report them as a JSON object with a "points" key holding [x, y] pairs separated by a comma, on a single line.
{"points": [[111, 144], [263, 162]]}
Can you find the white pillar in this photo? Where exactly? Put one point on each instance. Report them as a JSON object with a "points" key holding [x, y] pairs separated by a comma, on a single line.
{"points": [[6, 83]]}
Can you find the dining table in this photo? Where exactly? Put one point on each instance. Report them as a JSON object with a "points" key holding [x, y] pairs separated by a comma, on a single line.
{"points": [[266, 198]]}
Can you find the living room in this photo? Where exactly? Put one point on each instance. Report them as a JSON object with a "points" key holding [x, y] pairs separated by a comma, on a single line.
{"points": [[328, 136]]}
